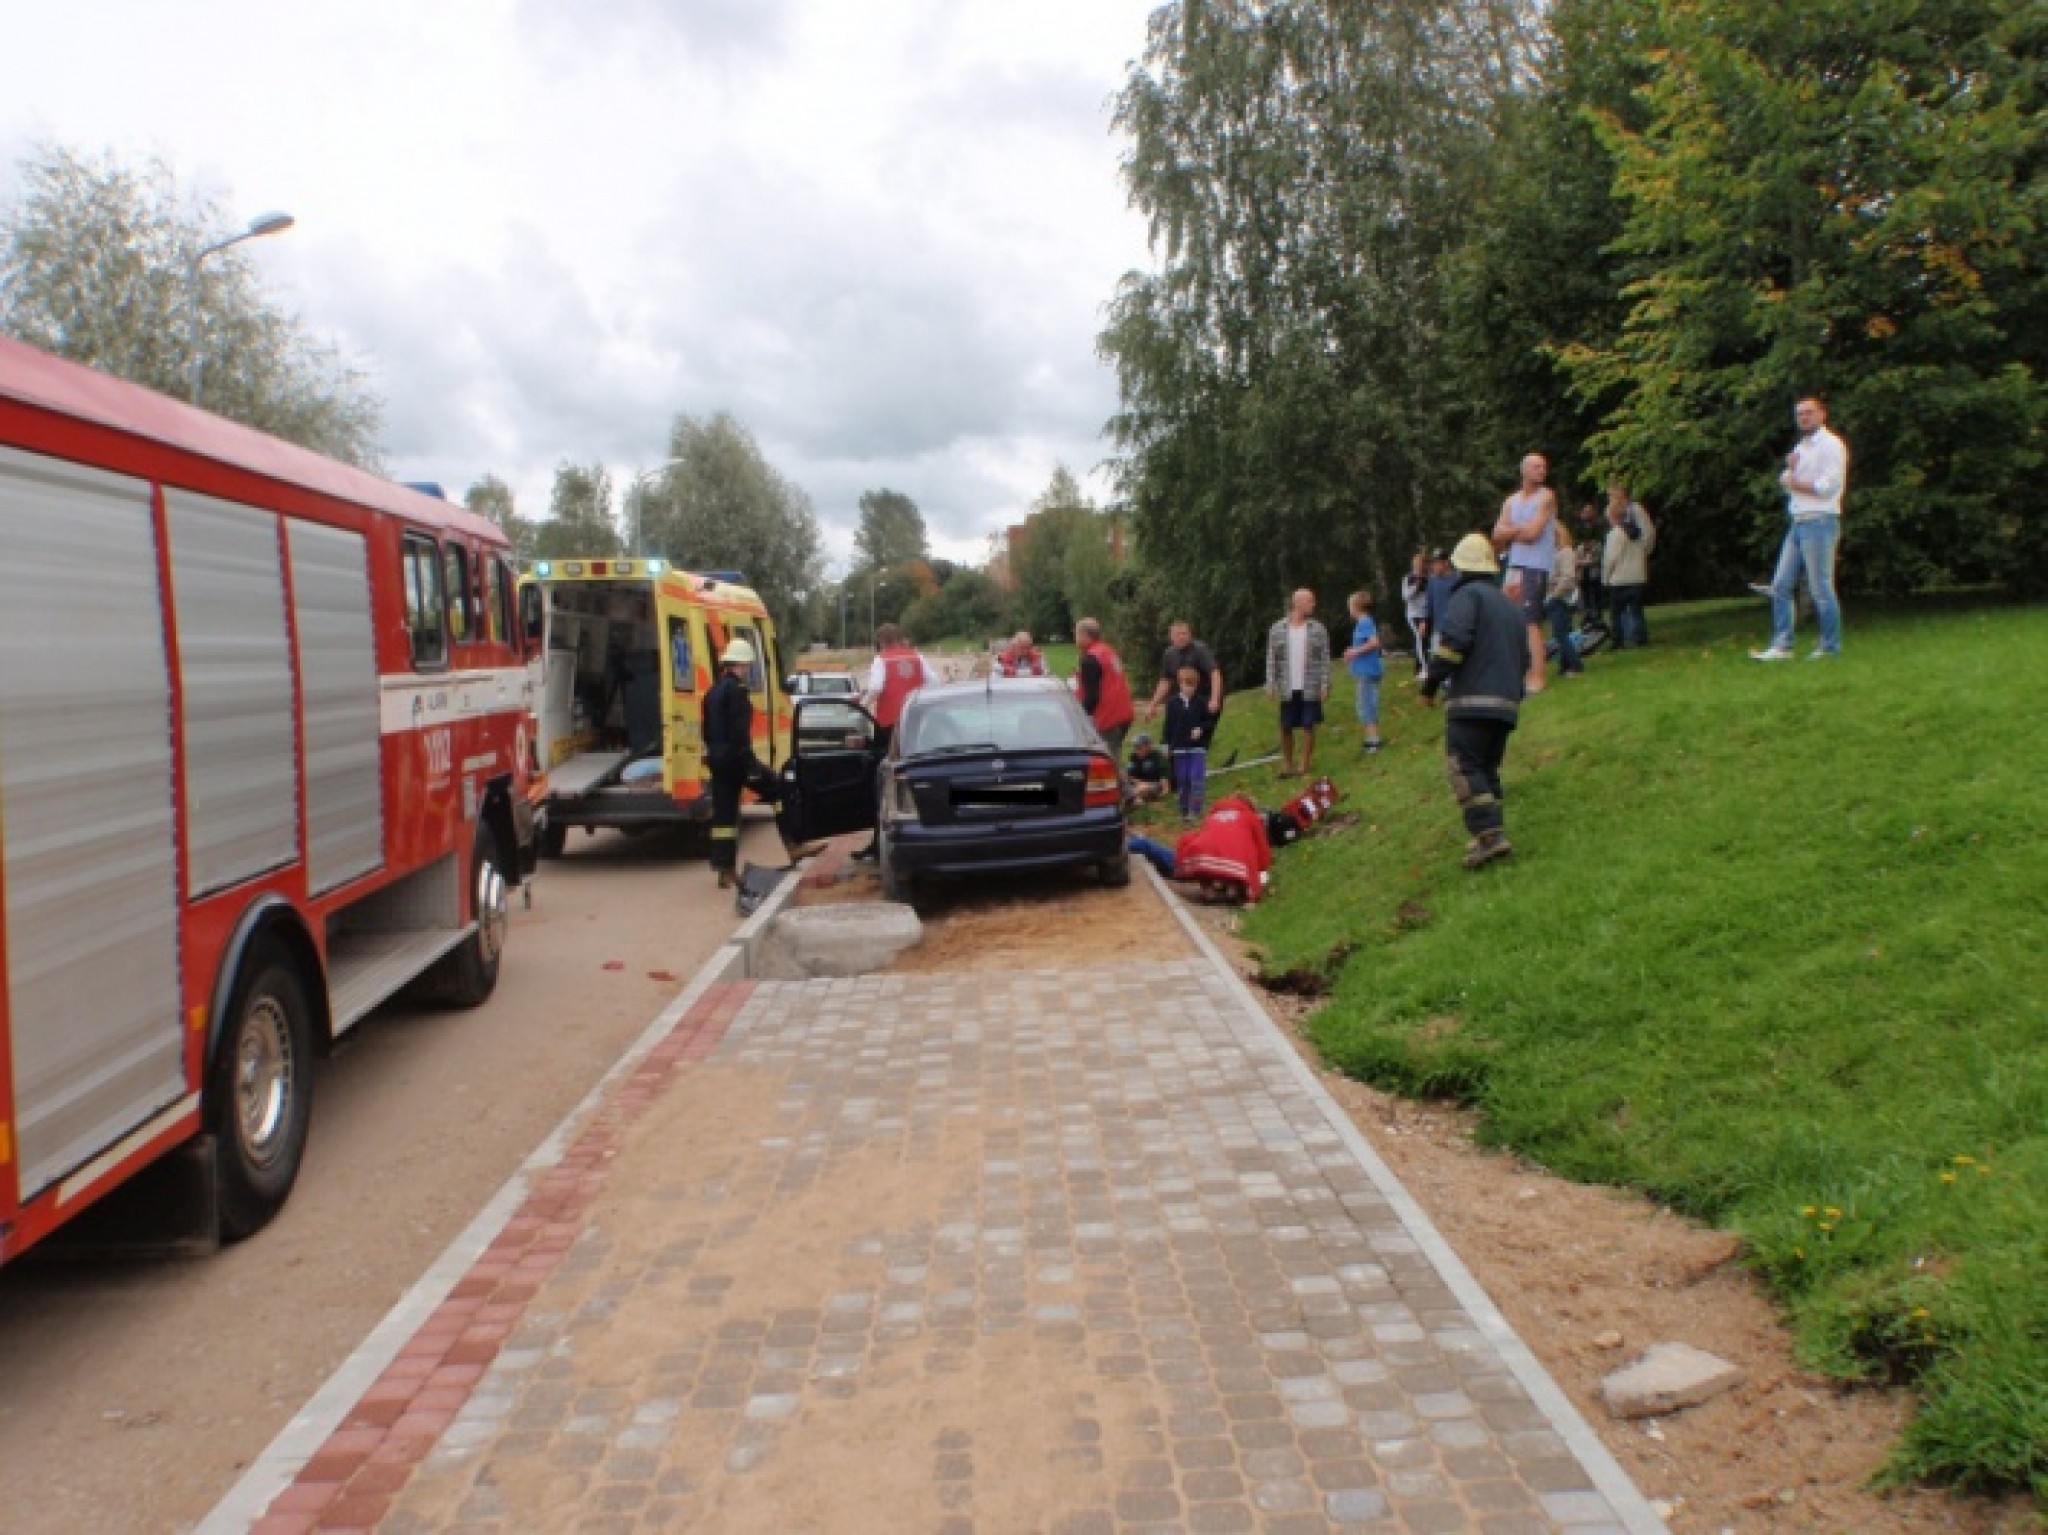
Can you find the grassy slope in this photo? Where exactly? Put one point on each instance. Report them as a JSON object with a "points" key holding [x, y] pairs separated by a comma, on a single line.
{"points": [[1772, 949]]}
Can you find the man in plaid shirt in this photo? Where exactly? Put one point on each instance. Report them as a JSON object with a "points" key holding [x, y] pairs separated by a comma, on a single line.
{"points": [[1298, 675]]}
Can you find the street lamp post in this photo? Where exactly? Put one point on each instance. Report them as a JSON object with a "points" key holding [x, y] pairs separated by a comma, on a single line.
{"points": [[633, 495], [266, 224], [874, 585]]}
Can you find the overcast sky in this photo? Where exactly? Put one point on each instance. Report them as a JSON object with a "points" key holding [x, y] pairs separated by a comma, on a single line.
{"points": [[880, 234]]}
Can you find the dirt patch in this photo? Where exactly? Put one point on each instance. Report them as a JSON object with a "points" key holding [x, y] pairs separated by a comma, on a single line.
{"points": [[1591, 1276], [1023, 923]]}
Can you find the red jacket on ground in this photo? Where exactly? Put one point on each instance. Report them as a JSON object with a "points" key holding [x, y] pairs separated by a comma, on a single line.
{"points": [[1229, 847]]}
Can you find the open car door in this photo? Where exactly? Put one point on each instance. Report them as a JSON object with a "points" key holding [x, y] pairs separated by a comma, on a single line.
{"points": [[828, 783]]}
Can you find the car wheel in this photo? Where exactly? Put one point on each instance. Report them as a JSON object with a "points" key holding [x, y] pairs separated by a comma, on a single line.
{"points": [[1116, 872], [897, 884], [259, 1091]]}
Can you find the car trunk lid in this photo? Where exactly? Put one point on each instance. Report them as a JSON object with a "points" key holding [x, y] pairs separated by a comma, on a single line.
{"points": [[990, 788]]}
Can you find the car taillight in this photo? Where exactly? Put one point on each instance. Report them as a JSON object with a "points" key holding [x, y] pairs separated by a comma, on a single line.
{"points": [[1104, 787], [902, 803]]}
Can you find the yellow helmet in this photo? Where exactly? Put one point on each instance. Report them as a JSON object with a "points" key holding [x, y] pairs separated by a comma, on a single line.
{"points": [[1475, 556], [737, 653]]}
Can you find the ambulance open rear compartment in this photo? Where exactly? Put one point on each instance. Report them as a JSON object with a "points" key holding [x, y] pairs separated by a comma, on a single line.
{"points": [[629, 650]]}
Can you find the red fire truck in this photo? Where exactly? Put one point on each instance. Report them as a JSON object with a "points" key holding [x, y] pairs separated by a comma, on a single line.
{"points": [[263, 763]]}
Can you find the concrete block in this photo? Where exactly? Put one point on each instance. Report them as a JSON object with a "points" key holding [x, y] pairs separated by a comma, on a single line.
{"points": [[1669, 1376], [854, 938]]}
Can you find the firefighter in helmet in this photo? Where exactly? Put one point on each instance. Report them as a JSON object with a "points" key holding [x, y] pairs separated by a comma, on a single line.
{"points": [[729, 754]]}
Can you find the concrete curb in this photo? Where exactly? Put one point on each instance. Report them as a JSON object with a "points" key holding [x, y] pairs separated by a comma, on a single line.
{"points": [[1614, 1484], [296, 1443]]}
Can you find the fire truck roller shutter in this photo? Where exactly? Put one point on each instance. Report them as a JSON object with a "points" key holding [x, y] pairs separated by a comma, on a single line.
{"points": [[234, 667], [86, 819], [338, 692]]}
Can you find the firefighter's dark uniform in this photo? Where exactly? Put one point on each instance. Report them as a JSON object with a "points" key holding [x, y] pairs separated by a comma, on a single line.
{"points": [[729, 755], [1481, 655]]}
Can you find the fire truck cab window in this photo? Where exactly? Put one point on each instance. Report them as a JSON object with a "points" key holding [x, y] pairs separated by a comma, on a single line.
{"points": [[497, 583], [425, 612], [461, 594]]}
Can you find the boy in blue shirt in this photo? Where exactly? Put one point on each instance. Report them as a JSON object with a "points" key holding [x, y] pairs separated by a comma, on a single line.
{"points": [[1368, 666]]}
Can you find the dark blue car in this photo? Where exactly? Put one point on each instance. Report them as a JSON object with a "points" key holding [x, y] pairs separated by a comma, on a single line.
{"points": [[980, 778]]}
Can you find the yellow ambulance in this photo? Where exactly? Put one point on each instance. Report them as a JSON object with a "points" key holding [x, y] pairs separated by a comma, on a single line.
{"points": [[627, 649]]}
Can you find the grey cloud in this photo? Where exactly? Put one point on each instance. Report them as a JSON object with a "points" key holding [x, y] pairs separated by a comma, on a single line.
{"points": [[496, 371], [864, 330], [1003, 97], [718, 33]]}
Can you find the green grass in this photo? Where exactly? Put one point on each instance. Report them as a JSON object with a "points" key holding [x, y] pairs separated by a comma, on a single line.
{"points": [[1773, 949], [1065, 660]]}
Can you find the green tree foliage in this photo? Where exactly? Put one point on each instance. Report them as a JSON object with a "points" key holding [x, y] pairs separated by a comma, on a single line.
{"points": [[579, 523], [1061, 518], [723, 506], [887, 594], [1292, 412], [1087, 566], [1843, 199], [96, 265], [491, 497], [1537, 272], [891, 531], [968, 606]]}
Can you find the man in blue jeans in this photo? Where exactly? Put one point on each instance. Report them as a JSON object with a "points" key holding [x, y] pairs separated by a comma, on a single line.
{"points": [[1816, 474]]}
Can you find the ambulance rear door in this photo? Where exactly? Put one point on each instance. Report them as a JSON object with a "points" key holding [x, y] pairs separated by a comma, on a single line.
{"points": [[687, 665]]}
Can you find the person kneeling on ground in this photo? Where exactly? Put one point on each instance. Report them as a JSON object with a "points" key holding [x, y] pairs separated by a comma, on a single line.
{"points": [[1227, 855], [729, 754], [1147, 770], [1481, 658]]}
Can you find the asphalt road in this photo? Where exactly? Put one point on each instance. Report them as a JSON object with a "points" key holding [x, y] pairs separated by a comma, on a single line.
{"points": [[133, 1393]]}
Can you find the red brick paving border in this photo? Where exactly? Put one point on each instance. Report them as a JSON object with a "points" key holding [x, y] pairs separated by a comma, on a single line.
{"points": [[349, 1483]]}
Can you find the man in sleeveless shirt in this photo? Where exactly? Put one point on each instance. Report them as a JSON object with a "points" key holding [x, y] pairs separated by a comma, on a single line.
{"points": [[1524, 533]]}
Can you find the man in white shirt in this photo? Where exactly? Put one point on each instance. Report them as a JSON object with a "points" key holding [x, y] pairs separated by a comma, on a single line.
{"points": [[1815, 476]]}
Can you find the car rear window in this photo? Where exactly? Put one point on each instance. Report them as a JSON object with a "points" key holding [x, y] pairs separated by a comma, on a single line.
{"points": [[1006, 721]]}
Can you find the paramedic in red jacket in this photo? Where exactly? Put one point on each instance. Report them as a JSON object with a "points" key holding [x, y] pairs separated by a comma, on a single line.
{"points": [[1020, 658], [1105, 691], [1229, 848], [896, 672]]}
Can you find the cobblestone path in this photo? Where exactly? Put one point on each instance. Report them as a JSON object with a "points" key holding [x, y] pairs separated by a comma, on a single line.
{"points": [[1075, 1252]]}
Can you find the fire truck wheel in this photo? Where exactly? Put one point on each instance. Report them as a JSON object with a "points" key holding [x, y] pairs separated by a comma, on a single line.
{"points": [[554, 836], [259, 1091], [469, 975]]}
